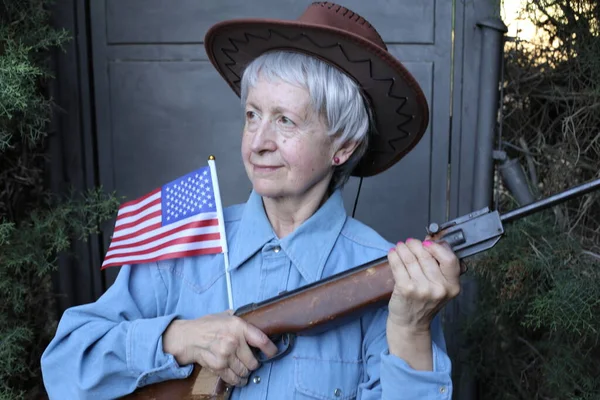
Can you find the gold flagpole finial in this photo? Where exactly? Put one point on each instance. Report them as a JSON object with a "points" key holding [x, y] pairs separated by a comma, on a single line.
{"points": [[211, 157]]}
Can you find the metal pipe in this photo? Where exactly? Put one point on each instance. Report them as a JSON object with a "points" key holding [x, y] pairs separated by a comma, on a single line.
{"points": [[492, 41], [551, 201], [492, 32], [514, 177]]}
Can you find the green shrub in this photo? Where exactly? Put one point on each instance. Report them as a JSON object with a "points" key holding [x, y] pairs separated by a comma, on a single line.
{"points": [[35, 224], [536, 333]]}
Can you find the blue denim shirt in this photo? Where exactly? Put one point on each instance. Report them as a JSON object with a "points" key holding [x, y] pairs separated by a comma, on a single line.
{"points": [[111, 347]]}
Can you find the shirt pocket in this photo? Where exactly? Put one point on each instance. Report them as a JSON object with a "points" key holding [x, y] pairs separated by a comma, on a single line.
{"points": [[326, 379]]}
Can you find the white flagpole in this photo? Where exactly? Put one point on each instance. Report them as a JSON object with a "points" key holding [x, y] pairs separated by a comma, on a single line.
{"points": [[213, 174]]}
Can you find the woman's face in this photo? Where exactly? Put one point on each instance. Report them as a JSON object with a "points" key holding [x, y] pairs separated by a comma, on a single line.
{"points": [[285, 147]]}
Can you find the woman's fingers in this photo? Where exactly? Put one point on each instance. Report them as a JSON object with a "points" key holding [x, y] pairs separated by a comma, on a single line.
{"points": [[449, 265], [221, 342], [256, 338], [231, 377], [398, 268], [238, 367], [246, 356], [422, 286], [426, 262]]}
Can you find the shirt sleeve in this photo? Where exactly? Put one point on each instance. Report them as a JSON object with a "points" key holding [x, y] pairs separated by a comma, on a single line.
{"points": [[388, 377], [108, 348]]}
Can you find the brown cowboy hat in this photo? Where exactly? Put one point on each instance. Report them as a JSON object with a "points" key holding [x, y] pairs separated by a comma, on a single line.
{"points": [[347, 41]]}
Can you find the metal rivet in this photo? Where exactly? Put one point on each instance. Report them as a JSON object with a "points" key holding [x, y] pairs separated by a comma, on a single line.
{"points": [[256, 379], [276, 249], [337, 392]]}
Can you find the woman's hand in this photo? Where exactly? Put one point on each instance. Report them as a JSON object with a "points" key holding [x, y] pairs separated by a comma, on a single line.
{"points": [[219, 342], [426, 277]]}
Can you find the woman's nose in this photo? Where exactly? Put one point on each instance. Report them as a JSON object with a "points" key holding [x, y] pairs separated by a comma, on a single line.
{"points": [[264, 137]]}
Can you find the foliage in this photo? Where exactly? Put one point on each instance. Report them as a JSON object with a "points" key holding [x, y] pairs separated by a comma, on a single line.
{"points": [[552, 106], [35, 224], [535, 334]]}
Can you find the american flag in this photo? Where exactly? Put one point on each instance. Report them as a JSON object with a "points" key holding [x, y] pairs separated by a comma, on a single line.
{"points": [[177, 220]]}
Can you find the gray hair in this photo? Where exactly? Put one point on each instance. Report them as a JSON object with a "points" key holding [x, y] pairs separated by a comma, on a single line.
{"points": [[334, 95]]}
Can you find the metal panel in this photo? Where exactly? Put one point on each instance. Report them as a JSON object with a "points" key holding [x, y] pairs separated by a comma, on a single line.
{"points": [[72, 154], [465, 111], [396, 202], [400, 202], [168, 117], [465, 102], [159, 21], [162, 109], [159, 109]]}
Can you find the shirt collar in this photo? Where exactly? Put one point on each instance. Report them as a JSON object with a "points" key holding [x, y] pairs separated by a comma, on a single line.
{"points": [[308, 247]]}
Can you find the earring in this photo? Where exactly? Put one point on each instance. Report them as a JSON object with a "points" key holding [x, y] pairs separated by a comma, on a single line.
{"points": [[336, 160]]}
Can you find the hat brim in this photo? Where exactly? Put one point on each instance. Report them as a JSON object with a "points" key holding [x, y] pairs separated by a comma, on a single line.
{"points": [[401, 113]]}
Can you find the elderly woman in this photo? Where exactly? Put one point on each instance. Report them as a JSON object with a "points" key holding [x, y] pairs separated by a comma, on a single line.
{"points": [[322, 100]]}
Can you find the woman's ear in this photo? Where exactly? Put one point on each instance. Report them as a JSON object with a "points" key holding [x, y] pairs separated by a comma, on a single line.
{"points": [[343, 153]]}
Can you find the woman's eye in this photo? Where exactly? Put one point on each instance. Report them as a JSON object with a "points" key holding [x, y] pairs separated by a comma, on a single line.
{"points": [[250, 115], [286, 121]]}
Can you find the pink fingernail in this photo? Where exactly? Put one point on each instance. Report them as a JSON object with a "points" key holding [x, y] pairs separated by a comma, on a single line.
{"points": [[409, 239], [426, 243], [400, 242], [392, 249]]}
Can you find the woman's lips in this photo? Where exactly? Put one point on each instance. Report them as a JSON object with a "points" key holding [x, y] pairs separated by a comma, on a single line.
{"points": [[265, 168]]}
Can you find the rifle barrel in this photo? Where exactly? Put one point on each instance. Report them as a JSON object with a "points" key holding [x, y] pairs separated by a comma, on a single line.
{"points": [[550, 201]]}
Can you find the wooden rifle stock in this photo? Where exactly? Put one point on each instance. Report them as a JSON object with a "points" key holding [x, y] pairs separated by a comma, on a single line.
{"points": [[329, 302]]}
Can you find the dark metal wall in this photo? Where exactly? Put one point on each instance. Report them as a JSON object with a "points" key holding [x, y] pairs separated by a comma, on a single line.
{"points": [[141, 105], [161, 109]]}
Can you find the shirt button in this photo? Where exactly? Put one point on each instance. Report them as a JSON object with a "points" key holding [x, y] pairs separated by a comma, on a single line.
{"points": [[337, 392], [443, 389], [276, 249], [256, 379]]}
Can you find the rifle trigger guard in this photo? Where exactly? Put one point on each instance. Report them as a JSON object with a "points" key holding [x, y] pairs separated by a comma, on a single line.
{"points": [[284, 346]]}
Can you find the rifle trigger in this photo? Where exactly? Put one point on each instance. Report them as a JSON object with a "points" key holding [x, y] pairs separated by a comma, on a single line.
{"points": [[284, 345]]}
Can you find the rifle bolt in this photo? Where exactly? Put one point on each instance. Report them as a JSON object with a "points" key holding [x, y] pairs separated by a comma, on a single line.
{"points": [[433, 228]]}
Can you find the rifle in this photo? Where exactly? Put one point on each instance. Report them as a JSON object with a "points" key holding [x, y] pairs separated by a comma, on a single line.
{"points": [[324, 304]]}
